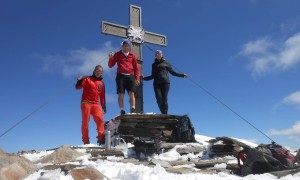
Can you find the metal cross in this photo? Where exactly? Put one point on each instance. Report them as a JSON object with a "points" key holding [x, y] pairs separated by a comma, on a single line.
{"points": [[136, 34]]}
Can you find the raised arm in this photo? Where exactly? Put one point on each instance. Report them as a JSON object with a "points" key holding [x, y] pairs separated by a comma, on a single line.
{"points": [[80, 82], [112, 60]]}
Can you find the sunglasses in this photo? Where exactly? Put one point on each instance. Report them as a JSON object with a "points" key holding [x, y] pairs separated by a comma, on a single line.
{"points": [[98, 70]]}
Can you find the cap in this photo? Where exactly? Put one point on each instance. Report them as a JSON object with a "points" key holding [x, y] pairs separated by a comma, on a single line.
{"points": [[125, 42], [158, 51]]}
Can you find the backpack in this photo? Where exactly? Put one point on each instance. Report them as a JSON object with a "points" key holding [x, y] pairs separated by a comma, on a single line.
{"points": [[147, 146], [258, 162], [282, 155], [185, 131], [265, 158], [112, 126]]}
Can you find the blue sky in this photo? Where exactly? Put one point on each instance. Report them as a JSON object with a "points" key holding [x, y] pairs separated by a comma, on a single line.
{"points": [[244, 52]]}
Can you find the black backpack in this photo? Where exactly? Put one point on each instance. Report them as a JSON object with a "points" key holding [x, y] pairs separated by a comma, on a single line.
{"points": [[185, 131]]}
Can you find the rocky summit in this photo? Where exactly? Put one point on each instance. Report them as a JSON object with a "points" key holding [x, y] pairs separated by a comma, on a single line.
{"points": [[211, 158]]}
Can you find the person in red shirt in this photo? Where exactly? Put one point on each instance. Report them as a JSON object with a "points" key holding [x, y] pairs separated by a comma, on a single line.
{"points": [[93, 90], [128, 76]]}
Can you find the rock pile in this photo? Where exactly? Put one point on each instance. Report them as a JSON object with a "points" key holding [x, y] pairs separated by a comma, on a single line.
{"points": [[14, 167], [225, 146]]}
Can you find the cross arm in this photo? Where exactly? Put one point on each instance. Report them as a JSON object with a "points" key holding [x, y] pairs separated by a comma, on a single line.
{"points": [[114, 29], [154, 38]]}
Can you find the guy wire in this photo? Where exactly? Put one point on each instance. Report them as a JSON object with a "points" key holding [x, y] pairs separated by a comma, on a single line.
{"points": [[50, 99], [218, 100]]}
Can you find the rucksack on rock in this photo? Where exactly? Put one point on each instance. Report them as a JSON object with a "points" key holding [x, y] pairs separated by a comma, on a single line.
{"points": [[265, 158], [112, 126], [298, 157], [185, 131], [147, 146], [282, 155], [258, 162]]}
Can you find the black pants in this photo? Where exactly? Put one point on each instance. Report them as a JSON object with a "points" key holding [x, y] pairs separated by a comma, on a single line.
{"points": [[161, 94]]}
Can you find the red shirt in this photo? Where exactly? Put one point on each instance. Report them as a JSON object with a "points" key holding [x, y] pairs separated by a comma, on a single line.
{"points": [[93, 89], [126, 65]]}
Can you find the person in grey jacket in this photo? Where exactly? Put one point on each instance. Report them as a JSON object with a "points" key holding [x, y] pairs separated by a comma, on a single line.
{"points": [[161, 82]]}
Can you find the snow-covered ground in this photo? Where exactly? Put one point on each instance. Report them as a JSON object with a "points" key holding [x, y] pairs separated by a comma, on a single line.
{"points": [[118, 170]]}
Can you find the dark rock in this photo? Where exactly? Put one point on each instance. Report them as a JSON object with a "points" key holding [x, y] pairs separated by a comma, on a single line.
{"points": [[224, 146], [168, 146], [107, 153], [228, 140]]}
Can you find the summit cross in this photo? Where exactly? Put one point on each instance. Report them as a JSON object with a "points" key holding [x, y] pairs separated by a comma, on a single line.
{"points": [[137, 36]]}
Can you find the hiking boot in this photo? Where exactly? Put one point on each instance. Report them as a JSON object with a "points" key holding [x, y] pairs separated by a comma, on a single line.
{"points": [[102, 142], [123, 112], [84, 143], [132, 110]]}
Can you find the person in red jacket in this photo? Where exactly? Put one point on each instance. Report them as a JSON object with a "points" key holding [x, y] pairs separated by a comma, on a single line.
{"points": [[128, 76], [93, 89]]}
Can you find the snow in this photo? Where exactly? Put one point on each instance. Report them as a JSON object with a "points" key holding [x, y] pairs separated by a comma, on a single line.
{"points": [[117, 170], [37, 155], [251, 144]]}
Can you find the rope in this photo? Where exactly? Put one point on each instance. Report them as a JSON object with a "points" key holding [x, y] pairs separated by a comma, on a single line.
{"points": [[229, 108], [149, 47], [48, 101], [35, 110], [220, 101]]}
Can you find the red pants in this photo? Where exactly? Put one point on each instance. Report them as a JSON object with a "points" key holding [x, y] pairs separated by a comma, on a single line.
{"points": [[96, 111]]}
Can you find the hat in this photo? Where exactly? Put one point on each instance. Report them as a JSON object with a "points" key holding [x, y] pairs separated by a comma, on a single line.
{"points": [[158, 51], [125, 42]]}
